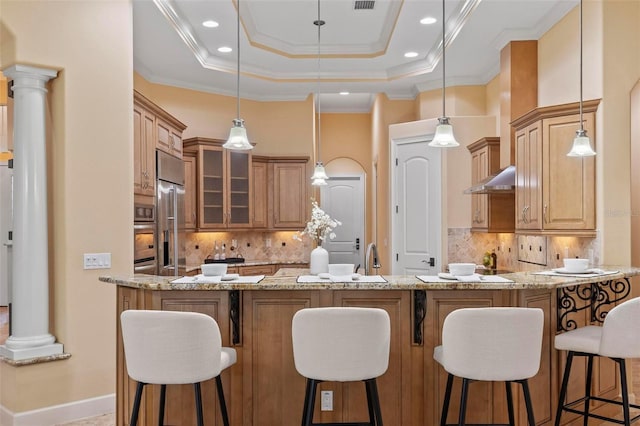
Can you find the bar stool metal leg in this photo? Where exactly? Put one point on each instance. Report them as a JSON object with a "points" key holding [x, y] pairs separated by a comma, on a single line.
{"points": [[527, 402], [376, 402], [223, 404], [136, 404], [512, 420], [447, 399], [587, 390], [563, 388], [198, 395], [309, 399], [372, 415], [163, 397], [463, 401], [624, 390]]}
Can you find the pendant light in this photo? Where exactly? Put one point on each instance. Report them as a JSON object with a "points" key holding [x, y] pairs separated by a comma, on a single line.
{"points": [[238, 134], [319, 177], [444, 131], [581, 144]]}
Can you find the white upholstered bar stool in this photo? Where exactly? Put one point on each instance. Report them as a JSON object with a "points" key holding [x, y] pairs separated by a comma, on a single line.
{"points": [[617, 339], [341, 345], [166, 348], [490, 344]]}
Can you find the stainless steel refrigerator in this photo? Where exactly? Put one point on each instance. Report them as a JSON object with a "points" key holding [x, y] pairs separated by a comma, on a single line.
{"points": [[170, 215]]}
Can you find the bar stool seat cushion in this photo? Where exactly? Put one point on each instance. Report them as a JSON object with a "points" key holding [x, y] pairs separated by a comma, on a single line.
{"points": [[584, 339]]}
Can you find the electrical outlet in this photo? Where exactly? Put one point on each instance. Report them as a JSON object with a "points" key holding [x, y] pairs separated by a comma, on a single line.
{"points": [[326, 400], [97, 260]]}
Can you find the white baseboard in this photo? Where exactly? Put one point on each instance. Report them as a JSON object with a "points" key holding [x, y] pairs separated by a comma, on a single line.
{"points": [[63, 413]]}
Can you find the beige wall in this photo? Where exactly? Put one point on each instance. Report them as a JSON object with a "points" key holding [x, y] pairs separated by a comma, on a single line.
{"points": [[90, 162], [492, 106], [459, 100], [277, 128]]}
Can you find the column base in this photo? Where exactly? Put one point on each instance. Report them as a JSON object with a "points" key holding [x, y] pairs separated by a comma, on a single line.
{"points": [[33, 352]]}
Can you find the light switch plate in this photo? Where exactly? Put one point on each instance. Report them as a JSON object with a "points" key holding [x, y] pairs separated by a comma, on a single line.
{"points": [[97, 260]]}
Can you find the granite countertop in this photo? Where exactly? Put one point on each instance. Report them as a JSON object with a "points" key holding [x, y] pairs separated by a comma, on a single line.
{"points": [[285, 279]]}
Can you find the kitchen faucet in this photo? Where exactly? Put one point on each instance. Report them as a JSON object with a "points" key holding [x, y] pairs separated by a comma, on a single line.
{"points": [[376, 265]]}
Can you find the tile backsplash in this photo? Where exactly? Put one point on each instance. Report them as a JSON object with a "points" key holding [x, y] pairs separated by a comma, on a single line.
{"points": [[252, 245], [467, 246]]}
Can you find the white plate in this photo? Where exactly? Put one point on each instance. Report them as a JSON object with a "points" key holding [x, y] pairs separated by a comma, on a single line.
{"points": [[446, 276], [229, 277], [565, 271]]}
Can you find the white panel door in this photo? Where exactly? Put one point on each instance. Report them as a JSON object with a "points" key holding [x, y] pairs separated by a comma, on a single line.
{"points": [[343, 200], [416, 209]]}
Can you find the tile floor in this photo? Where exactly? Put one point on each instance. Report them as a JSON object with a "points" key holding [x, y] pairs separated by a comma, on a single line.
{"points": [[104, 420]]}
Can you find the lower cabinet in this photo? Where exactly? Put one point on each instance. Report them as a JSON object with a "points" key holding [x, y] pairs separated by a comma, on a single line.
{"points": [[264, 388]]}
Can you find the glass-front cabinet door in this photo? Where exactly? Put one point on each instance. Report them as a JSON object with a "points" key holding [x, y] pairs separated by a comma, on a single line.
{"points": [[212, 206], [239, 179]]}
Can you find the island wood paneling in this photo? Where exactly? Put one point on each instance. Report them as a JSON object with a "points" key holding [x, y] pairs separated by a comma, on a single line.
{"points": [[264, 388]]}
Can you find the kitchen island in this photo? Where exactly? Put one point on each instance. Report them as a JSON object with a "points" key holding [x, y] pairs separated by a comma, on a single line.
{"points": [[263, 388]]}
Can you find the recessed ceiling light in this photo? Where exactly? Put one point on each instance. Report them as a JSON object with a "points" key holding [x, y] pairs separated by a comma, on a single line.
{"points": [[428, 20], [224, 49], [411, 54], [344, 93], [210, 24]]}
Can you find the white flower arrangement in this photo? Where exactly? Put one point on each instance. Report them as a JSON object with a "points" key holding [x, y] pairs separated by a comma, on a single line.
{"points": [[319, 227]]}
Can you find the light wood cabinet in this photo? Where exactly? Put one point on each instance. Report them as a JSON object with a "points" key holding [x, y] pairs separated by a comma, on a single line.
{"points": [[153, 128], [555, 194], [144, 151], [489, 212], [260, 196], [280, 188], [224, 184], [289, 192], [169, 138], [190, 189], [257, 270]]}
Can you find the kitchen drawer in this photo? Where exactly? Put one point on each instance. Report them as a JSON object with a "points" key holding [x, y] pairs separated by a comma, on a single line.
{"points": [[257, 270]]}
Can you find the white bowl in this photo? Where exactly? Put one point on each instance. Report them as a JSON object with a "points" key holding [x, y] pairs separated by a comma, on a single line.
{"points": [[341, 269], [462, 269], [576, 265], [213, 269]]}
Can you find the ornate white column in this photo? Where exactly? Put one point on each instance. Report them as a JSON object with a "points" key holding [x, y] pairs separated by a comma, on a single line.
{"points": [[30, 337]]}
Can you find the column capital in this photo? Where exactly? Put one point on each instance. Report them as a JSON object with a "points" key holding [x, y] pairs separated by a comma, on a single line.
{"points": [[19, 70]]}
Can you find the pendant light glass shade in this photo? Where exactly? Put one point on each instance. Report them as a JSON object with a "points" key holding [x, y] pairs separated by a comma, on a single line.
{"points": [[444, 137], [444, 131], [319, 175], [581, 145], [238, 137], [238, 140]]}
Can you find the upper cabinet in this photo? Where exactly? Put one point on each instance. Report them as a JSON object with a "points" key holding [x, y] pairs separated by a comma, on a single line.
{"points": [[489, 212], [153, 128], [190, 188], [169, 138], [144, 151], [555, 194], [224, 184], [260, 196], [289, 189]]}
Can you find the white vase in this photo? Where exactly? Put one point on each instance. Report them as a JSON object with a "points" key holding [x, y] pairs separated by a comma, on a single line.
{"points": [[319, 261]]}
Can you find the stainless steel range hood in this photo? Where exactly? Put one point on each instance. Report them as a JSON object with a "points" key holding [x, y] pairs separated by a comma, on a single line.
{"points": [[503, 182]]}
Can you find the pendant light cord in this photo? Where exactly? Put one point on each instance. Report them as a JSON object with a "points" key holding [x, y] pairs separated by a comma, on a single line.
{"points": [[443, 63], [319, 23], [581, 125], [238, 73]]}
